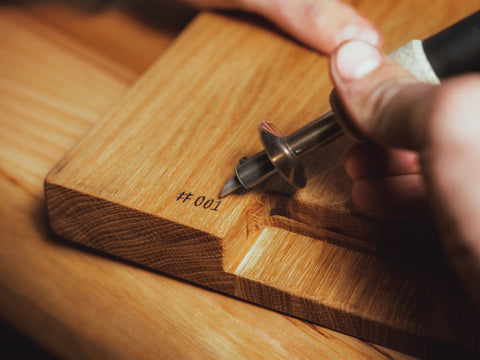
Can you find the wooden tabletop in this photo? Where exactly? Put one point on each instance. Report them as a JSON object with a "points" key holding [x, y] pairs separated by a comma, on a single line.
{"points": [[61, 70]]}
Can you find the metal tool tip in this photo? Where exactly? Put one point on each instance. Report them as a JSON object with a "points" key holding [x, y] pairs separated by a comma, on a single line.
{"points": [[230, 186]]}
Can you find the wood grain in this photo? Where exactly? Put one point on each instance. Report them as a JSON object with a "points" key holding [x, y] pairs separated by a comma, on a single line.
{"points": [[113, 34], [122, 190], [54, 85]]}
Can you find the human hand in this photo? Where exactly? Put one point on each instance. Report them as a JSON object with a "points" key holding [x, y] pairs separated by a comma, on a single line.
{"points": [[320, 24], [425, 150]]}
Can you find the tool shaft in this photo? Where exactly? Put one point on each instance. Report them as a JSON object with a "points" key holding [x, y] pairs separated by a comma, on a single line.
{"points": [[317, 133], [250, 172]]}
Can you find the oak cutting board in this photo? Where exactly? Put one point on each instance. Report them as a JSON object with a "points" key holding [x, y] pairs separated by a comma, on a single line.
{"points": [[143, 186]]}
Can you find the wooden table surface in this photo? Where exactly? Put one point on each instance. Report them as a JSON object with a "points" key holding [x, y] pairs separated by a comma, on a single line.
{"points": [[61, 69]]}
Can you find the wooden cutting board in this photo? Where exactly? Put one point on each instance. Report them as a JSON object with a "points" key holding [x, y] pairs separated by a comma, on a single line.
{"points": [[143, 186]]}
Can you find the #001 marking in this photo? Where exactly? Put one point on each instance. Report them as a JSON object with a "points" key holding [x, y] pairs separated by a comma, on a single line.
{"points": [[199, 201]]}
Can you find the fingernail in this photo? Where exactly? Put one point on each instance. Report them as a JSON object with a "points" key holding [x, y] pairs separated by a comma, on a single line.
{"points": [[354, 32], [356, 59]]}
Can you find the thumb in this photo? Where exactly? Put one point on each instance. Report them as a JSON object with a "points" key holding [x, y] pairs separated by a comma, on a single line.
{"points": [[383, 100]]}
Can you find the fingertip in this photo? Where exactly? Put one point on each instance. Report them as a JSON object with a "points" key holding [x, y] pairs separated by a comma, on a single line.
{"points": [[364, 197], [350, 65], [353, 60], [362, 30], [397, 197], [369, 159], [353, 162]]}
